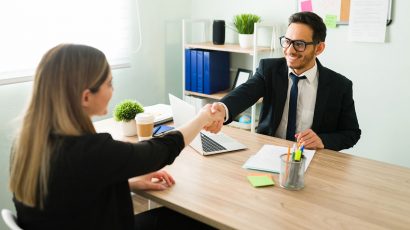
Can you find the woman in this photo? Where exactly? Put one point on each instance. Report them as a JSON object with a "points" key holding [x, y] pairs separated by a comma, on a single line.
{"points": [[66, 176]]}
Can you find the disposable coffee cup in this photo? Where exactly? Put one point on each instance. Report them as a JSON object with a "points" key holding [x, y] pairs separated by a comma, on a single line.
{"points": [[292, 173], [145, 125]]}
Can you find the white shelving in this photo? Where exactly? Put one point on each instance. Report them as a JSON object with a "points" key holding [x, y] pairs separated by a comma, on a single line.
{"points": [[204, 41]]}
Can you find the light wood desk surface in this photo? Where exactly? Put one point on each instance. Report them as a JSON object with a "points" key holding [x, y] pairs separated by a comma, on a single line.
{"points": [[341, 191]]}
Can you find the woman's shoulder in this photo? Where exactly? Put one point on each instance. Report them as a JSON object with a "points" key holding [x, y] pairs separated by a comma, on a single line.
{"points": [[89, 143]]}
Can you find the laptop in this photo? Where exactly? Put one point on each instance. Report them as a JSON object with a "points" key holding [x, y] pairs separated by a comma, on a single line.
{"points": [[205, 143]]}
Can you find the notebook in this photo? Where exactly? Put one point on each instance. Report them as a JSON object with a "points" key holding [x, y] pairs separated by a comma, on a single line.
{"points": [[205, 143], [162, 113]]}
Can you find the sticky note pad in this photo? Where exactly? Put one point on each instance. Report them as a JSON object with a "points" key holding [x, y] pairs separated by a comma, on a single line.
{"points": [[260, 180], [330, 21], [306, 5]]}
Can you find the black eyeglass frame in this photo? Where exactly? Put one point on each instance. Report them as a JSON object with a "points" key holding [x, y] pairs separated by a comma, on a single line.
{"points": [[292, 42]]}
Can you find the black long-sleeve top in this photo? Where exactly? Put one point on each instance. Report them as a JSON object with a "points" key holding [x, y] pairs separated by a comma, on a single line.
{"points": [[88, 182]]}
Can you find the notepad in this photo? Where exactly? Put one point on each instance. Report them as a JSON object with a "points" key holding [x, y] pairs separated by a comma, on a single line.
{"points": [[260, 180], [162, 113], [268, 158]]}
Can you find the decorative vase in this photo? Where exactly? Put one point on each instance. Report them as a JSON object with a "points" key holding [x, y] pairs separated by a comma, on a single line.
{"points": [[129, 128], [245, 40]]}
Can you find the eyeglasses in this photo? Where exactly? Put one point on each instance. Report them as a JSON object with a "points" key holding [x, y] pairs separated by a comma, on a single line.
{"points": [[298, 45]]}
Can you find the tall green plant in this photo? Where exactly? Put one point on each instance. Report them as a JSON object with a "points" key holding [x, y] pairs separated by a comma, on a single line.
{"points": [[244, 23]]}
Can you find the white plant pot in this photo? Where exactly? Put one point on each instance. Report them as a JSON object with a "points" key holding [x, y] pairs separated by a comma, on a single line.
{"points": [[245, 40], [129, 128]]}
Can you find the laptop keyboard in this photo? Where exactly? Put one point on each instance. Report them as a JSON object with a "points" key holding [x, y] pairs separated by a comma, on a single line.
{"points": [[209, 145]]}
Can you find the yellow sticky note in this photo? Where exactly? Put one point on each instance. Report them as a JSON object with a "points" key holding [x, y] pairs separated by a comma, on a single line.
{"points": [[260, 180], [330, 21]]}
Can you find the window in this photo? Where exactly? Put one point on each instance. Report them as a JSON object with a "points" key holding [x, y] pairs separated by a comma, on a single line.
{"points": [[30, 28]]}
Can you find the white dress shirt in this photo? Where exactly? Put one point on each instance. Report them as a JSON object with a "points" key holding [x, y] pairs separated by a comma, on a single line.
{"points": [[307, 90]]}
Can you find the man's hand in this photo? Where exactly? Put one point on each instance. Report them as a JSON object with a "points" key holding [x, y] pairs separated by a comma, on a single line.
{"points": [[158, 180], [309, 139], [218, 111]]}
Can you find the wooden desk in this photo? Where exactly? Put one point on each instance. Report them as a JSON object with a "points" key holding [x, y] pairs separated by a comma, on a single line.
{"points": [[341, 191]]}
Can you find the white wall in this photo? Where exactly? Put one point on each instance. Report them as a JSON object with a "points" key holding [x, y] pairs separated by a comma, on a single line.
{"points": [[378, 71]]}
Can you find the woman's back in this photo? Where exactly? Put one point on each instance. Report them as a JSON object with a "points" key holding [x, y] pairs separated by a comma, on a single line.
{"points": [[88, 184]]}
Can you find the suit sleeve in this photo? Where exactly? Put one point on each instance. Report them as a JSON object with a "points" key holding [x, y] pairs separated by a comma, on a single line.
{"points": [[347, 133], [246, 94], [106, 161]]}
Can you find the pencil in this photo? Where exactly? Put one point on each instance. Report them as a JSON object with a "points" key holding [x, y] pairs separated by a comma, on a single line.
{"points": [[287, 164]]}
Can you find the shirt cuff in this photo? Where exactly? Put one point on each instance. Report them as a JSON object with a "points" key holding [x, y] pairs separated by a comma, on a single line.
{"points": [[226, 111]]}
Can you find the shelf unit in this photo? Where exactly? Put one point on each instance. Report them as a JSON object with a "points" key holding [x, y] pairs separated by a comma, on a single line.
{"points": [[205, 43]]}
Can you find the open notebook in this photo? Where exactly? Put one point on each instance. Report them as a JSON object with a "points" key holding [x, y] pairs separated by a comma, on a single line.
{"points": [[268, 158]]}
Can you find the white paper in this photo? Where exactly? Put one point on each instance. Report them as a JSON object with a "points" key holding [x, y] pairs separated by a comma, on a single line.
{"points": [[162, 113], [367, 20], [268, 158]]}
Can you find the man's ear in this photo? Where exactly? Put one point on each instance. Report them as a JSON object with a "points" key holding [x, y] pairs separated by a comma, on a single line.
{"points": [[319, 48], [85, 98]]}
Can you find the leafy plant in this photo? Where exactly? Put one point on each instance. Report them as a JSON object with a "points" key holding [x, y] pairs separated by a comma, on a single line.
{"points": [[127, 110], [244, 23]]}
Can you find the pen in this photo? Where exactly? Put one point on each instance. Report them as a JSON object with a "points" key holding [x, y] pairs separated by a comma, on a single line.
{"points": [[156, 129]]}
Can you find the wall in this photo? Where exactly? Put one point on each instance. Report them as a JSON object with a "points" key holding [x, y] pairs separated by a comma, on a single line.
{"points": [[378, 72], [155, 66]]}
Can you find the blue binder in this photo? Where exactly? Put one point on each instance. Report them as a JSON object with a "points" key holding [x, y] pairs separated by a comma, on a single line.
{"points": [[187, 69], [194, 76], [216, 71], [200, 70]]}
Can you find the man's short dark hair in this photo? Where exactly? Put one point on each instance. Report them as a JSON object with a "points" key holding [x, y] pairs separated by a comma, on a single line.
{"points": [[313, 21]]}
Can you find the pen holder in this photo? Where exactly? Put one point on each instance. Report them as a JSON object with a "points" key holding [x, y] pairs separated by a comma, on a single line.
{"points": [[292, 173]]}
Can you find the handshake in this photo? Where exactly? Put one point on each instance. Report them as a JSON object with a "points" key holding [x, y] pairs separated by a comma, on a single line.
{"points": [[212, 117]]}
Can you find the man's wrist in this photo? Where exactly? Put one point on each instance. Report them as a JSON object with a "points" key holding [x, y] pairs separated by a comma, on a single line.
{"points": [[226, 111]]}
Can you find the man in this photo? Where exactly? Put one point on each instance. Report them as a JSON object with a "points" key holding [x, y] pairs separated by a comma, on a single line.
{"points": [[303, 101]]}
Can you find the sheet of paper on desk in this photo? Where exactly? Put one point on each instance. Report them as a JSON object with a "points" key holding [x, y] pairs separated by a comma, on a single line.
{"points": [[162, 113], [268, 158]]}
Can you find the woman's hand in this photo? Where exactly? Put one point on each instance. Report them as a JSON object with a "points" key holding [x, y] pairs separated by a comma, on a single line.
{"points": [[158, 180]]}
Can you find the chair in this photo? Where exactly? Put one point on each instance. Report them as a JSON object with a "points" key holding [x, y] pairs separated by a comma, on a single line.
{"points": [[10, 219]]}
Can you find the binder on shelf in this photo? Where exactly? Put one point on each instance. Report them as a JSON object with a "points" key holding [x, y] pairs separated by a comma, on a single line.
{"points": [[200, 71], [194, 76], [216, 71], [187, 69]]}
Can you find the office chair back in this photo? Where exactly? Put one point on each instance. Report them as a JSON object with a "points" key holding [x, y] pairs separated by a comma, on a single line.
{"points": [[10, 219]]}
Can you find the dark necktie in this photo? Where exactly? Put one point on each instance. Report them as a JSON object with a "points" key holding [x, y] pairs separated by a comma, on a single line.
{"points": [[293, 101]]}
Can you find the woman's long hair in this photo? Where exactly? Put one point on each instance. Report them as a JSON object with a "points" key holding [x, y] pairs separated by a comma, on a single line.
{"points": [[63, 74]]}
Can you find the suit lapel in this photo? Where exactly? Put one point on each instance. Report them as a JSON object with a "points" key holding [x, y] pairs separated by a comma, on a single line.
{"points": [[281, 87], [322, 96]]}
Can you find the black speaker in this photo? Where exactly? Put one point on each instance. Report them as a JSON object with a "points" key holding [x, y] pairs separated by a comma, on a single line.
{"points": [[218, 32]]}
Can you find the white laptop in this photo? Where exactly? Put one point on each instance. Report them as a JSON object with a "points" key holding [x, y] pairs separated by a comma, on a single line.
{"points": [[205, 143]]}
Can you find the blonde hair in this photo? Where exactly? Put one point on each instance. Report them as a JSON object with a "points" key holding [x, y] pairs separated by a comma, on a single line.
{"points": [[63, 74]]}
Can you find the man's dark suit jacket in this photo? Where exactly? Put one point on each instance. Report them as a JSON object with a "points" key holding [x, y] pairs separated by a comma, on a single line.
{"points": [[334, 118]]}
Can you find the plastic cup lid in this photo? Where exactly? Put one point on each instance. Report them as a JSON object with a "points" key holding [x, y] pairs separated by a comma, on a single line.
{"points": [[145, 118]]}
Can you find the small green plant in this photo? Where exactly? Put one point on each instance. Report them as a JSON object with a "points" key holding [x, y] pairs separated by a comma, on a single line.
{"points": [[244, 23], [127, 110]]}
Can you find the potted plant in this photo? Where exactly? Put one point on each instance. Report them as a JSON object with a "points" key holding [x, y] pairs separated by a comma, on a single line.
{"points": [[244, 25], [125, 112]]}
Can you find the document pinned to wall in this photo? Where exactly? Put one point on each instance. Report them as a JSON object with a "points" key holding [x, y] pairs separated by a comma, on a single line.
{"points": [[368, 20]]}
